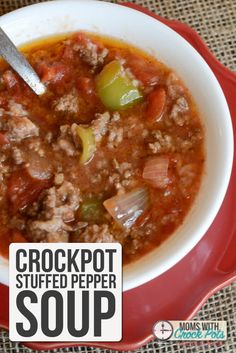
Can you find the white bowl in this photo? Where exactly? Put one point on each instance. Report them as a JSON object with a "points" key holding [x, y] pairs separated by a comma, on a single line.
{"points": [[154, 37]]}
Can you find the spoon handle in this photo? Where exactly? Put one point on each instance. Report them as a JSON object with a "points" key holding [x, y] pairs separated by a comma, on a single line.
{"points": [[19, 63]]}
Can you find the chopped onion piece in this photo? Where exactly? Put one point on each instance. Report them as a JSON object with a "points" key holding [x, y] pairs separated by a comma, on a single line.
{"points": [[155, 171], [126, 208]]}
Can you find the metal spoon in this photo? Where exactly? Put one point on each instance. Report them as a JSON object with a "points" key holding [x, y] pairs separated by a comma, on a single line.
{"points": [[19, 63]]}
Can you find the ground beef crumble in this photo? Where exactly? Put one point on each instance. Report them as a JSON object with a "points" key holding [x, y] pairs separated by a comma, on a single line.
{"points": [[115, 137], [67, 140], [4, 168], [174, 86], [106, 123], [9, 79], [17, 156], [179, 110], [16, 109], [162, 143], [68, 103], [96, 234], [58, 207], [123, 177], [91, 53], [20, 128], [165, 143], [100, 125]]}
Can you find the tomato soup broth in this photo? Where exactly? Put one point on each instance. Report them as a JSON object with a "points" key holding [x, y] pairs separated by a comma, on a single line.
{"points": [[112, 152]]}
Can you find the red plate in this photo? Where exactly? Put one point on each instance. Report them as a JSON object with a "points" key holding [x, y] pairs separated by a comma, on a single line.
{"points": [[180, 292]]}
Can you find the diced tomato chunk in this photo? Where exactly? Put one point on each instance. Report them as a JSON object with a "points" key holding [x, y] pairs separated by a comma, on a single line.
{"points": [[3, 139], [53, 73], [142, 70], [156, 104], [23, 189]]}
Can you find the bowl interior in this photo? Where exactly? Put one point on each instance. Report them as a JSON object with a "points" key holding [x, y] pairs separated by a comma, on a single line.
{"points": [[154, 37]]}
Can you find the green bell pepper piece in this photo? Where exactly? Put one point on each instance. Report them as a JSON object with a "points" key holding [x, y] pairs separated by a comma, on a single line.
{"points": [[114, 87], [88, 143], [91, 210]]}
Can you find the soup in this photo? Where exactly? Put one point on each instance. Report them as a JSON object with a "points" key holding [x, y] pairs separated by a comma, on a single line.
{"points": [[112, 152]]}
